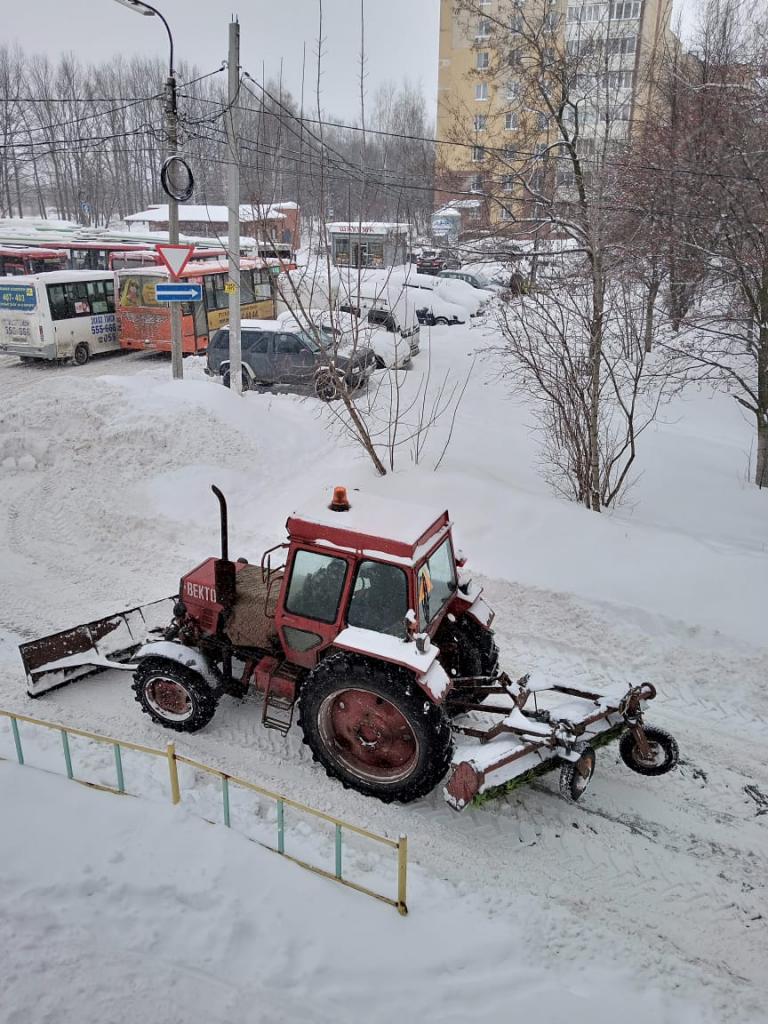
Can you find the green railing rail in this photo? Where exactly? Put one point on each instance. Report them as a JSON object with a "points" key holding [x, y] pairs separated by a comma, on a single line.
{"points": [[174, 760]]}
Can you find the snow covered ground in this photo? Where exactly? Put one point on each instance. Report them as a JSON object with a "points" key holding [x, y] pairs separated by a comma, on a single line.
{"points": [[657, 886], [150, 915]]}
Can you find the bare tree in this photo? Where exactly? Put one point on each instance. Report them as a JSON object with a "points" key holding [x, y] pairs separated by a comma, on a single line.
{"points": [[562, 88]]}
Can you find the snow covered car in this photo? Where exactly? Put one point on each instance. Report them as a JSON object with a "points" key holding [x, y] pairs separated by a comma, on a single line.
{"points": [[273, 355], [462, 294], [437, 310], [391, 350]]}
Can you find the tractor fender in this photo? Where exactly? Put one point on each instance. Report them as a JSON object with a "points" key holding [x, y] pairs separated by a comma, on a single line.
{"points": [[188, 656], [426, 668]]}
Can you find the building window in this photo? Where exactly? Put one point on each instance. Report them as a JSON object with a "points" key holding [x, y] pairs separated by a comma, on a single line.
{"points": [[588, 14], [541, 122], [481, 91], [515, 57], [620, 79], [481, 122], [516, 22], [507, 182], [483, 28], [513, 89], [625, 11], [485, 4], [622, 45], [476, 183], [478, 154], [505, 213], [483, 60], [509, 152], [511, 121]]}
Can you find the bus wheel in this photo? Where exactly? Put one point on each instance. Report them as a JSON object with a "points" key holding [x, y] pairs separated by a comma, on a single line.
{"points": [[82, 355]]}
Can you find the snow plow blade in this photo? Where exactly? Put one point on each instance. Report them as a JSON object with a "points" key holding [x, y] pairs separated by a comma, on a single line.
{"points": [[53, 661]]}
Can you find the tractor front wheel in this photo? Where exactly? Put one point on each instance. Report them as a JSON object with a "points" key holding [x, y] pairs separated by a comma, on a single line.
{"points": [[173, 695], [370, 726]]}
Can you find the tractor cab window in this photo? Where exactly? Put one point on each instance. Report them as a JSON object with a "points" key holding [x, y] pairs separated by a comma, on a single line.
{"points": [[379, 599], [316, 585], [436, 584]]}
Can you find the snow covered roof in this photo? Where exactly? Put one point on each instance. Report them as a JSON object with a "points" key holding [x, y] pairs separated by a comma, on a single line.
{"points": [[212, 214], [372, 524], [60, 276]]}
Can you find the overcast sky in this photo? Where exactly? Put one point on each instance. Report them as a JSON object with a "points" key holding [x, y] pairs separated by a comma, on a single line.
{"points": [[401, 38]]}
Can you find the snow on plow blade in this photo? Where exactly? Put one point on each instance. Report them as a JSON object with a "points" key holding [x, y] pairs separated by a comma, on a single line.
{"points": [[56, 660]]}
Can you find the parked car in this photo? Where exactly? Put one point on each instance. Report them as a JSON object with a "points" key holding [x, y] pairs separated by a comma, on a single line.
{"points": [[273, 355], [438, 310], [346, 334], [471, 278], [433, 261], [462, 294], [388, 306]]}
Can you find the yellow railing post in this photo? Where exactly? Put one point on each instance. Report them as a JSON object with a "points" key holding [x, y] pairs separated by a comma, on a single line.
{"points": [[402, 874], [173, 772]]}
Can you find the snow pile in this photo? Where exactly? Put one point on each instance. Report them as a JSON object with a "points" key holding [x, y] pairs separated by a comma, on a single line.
{"points": [[144, 913]]}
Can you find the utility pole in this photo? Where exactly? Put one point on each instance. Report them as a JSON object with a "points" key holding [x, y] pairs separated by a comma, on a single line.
{"points": [[233, 201], [171, 129]]}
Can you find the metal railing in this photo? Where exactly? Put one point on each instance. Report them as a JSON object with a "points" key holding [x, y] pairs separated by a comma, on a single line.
{"points": [[173, 761]]}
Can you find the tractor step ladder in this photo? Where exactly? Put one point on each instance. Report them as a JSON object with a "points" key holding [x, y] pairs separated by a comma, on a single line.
{"points": [[277, 711]]}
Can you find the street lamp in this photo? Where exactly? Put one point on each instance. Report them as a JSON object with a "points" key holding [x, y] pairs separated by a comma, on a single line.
{"points": [[171, 131]]}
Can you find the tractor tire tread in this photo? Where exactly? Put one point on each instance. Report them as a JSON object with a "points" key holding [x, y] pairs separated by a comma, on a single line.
{"points": [[204, 699], [337, 671]]}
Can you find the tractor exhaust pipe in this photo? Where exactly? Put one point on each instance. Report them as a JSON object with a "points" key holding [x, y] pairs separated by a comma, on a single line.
{"points": [[224, 523]]}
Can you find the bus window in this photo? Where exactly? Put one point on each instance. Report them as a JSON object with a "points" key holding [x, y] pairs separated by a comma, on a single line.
{"points": [[102, 296], [247, 295], [80, 298], [262, 281]]}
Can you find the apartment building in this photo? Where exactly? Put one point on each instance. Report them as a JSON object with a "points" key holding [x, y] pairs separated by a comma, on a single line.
{"points": [[505, 63]]}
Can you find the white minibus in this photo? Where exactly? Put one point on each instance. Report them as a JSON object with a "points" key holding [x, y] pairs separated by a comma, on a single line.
{"points": [[63, 314]]}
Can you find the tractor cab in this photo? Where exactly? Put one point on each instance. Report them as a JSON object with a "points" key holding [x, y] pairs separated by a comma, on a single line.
{"points": [[363, 563]]}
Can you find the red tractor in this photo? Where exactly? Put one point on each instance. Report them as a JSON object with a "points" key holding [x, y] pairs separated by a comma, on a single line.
{"points": [[369, 629]]}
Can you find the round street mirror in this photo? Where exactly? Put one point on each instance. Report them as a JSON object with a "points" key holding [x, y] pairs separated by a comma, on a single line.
{"points": [[176, 178]]}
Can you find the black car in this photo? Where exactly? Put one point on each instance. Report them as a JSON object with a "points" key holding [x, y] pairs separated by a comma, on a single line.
{"points": [[432, 261], [271, 355]]}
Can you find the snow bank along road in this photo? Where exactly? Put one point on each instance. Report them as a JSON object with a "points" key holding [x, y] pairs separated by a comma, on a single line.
{"points": [[665, 878]]}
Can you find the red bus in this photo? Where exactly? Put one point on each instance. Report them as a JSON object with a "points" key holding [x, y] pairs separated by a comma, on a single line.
{"points": [[125, 259], [144, 323], [17, 260]]}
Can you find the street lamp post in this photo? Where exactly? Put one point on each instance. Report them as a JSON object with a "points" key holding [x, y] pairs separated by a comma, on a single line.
{"points": [[171, 133]]}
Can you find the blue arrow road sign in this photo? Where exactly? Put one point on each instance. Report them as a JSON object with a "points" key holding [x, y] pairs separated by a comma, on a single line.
{"points": [[181, 292]]}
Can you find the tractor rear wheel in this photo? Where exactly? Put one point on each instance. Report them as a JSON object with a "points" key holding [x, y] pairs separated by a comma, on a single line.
{"points": [[370, 726], [173, 695]]}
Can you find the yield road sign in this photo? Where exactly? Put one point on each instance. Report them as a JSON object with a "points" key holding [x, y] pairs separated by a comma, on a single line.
{"points": [[175, 257], [182, 291]]}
